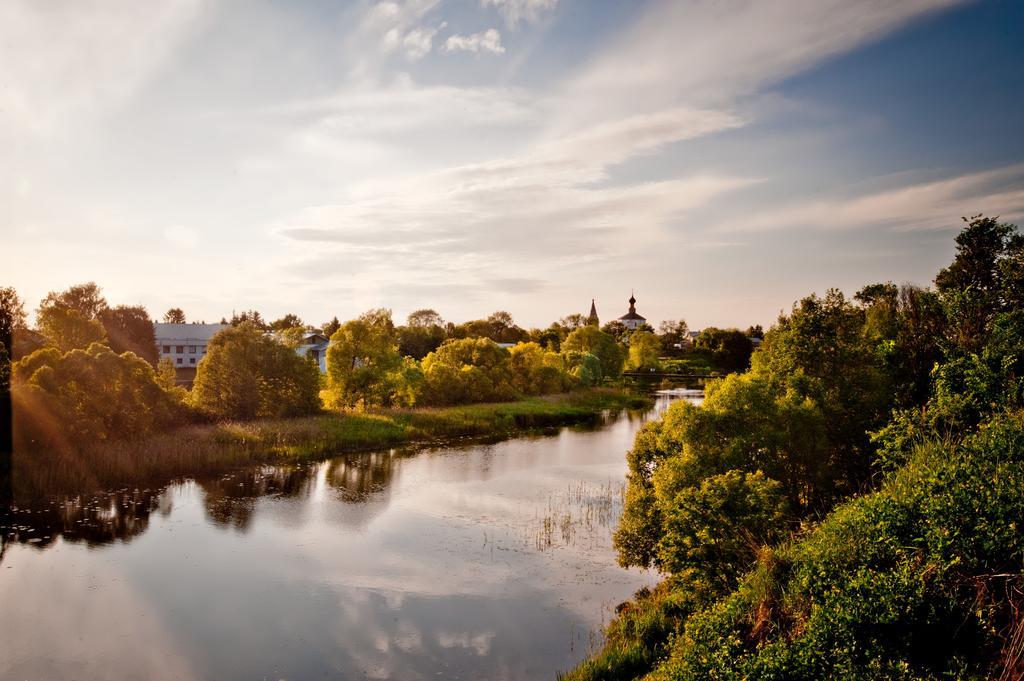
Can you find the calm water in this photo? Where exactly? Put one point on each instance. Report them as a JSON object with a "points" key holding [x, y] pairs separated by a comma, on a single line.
{"points": [[476, 562]]}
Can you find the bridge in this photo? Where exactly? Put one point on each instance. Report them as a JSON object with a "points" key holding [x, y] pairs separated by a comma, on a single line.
{"points": [[669, 375]]}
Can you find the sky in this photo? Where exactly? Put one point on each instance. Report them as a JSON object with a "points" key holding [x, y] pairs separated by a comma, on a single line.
{"points": [[721, 158]]}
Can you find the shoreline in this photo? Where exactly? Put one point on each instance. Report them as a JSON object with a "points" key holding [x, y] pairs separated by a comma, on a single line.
{"points": [[195, 450]]}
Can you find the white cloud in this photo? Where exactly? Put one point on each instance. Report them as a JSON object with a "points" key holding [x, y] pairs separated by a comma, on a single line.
{"points": [[487, 41], [62, 61], [937, 204], [708, 52], [517, 11]]}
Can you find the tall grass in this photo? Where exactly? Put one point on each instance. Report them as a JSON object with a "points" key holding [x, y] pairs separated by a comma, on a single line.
{"points": [[197, 449]]}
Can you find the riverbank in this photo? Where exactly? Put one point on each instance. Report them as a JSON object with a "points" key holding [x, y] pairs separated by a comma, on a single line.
{"points": [[203, 449]]}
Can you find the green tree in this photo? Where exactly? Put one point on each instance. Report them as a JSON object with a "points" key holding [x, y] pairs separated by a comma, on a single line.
{"points": [[422, 334], [364, 366], [85, 299], [617, 330], [673, 332], [175, 315], [247, 374], [468, 370], [714, 531], [988, 253], [288, 321], [589, 339], [129, 329], [66, 329], [331, 327], [63, 399], [644, 351], [730, 348], [536, 371]]}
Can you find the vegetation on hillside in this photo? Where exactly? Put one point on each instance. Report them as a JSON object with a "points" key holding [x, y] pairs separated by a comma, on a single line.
{"points": [[850, 507]]}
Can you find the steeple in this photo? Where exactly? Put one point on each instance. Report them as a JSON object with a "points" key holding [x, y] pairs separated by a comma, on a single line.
{"points": [[632, 302], [632, 319], [592, 319]]}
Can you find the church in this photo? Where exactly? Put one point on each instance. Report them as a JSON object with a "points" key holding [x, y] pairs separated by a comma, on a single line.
{"points": [[632, 320]]}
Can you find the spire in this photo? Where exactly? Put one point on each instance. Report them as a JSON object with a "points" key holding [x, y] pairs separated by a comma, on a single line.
{"points": [[632, 302], [592, 319]]}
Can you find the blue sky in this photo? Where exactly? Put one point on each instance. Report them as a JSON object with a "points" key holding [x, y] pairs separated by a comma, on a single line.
{"points": [[722, 158]]}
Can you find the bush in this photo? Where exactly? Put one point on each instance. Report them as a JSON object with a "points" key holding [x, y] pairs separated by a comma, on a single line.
{"points": [[247, 374], [92, 394], [468, 370]]}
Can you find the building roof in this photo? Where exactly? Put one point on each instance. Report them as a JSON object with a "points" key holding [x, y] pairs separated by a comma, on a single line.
{"points": [[183, 333], [632, 314]]}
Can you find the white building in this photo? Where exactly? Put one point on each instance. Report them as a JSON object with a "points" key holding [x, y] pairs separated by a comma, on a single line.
{"points": [[631, 319], [184, 344], [314, 345]]}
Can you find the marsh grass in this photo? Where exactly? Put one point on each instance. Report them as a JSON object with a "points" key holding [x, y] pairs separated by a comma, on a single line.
{"points": [[200, 449]]}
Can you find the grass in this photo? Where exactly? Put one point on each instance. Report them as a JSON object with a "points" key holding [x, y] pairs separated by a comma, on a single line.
{"points": [[197, 449]]}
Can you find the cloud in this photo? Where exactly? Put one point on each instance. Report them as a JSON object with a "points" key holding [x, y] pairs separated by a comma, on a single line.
{"points": [[518, 11], [709, 52], [936, 204], [487, 41], [62, 61], [415, 44]]}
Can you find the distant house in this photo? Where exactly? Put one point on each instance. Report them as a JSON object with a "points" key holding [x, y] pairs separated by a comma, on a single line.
{"points": [[632, 320], [185, 345], [314, 346]]}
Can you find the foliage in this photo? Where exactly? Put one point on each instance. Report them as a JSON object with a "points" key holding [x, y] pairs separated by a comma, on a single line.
{"points": [[175, 315], [288, 321], [331, 327], [644, 351], [673, 332], [468, 370], [129, 329], [248, 374], [591, 340], [920, 578], [64, 399], [422, 334], [730, 348], [584, 367], [66, 329], [499, 327], [617, 330], [364, 367], [536, 371]]}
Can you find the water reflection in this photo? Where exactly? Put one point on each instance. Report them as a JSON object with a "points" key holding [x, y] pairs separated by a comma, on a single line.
{"points": [[479, 561]]}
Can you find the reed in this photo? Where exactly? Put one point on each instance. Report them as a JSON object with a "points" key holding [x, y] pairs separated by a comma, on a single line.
{"points": [[199, 449]]}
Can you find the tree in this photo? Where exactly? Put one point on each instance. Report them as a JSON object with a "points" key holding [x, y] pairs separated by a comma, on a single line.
{"points": [[66, 329], [972, 287], [364, 367], [424, 319], [673, 332], [574, 321], [289, 321], [644, 351], [468, 370], [591, 340], [714, 530], [617, 330], [251, 317], [176, 316], [12, 319], [91, 394], [331, 327], [730, 348], [536, 371], [85, 299], [129, 329], [423, 333], [247, 374]]}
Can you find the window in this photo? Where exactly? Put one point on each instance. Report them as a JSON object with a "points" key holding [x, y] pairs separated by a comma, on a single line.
{"points": [[167, 349], [203, 349], [191, 360], [179, 360], [192, 350], [179, 349]]}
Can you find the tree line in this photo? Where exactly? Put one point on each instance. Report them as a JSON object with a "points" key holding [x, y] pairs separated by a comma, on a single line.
{"points": [[849, 507], [89, 369]]}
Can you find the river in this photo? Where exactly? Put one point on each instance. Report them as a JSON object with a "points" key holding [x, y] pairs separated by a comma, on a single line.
{"points": [[481, 561]]}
